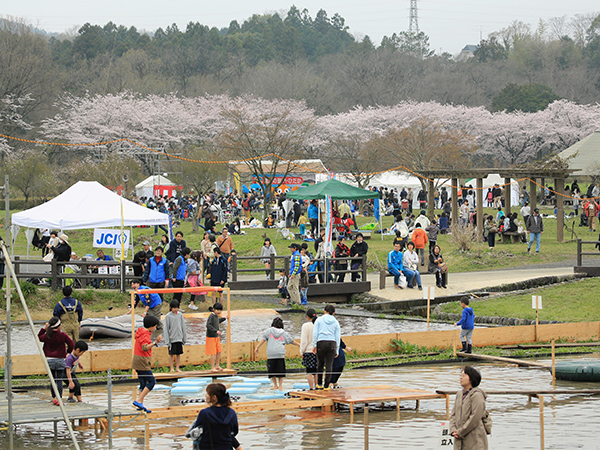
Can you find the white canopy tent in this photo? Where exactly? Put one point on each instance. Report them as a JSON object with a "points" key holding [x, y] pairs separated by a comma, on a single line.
{"points": [[87, 204], [146, 188], [494, 178]]}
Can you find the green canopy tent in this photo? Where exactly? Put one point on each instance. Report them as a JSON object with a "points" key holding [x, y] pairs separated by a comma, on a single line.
{"points": [[337, 191], [334, 189]]}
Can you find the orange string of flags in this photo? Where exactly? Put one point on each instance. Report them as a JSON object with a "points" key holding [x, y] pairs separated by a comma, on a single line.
{"points": [[255, 158]]}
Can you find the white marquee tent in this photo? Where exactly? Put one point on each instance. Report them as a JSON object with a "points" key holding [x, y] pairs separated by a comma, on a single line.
{"points": [[147, 187], [87, 204]]}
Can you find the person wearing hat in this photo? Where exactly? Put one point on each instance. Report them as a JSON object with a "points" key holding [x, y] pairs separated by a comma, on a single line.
{"points": [[57, 345], [62, 251], [141, 259], [294, 278], [535, 226]]}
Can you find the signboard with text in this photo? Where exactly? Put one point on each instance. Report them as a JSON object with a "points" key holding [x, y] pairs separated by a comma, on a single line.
{"points": [[105, 238]]}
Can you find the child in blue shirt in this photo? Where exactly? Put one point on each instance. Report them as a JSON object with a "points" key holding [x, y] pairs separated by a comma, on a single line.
{"points": [[467, 323]]}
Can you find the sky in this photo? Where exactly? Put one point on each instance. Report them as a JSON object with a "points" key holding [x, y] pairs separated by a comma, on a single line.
{"points": [[449, 25]]}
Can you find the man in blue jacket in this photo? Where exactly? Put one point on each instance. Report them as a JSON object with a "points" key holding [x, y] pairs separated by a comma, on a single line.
{"points": [[394, 264], [313, 217], [152, 306], [156, 274], [467, 323]]}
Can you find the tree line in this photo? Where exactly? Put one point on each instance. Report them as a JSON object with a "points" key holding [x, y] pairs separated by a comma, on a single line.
{"points": [[111, 82]]}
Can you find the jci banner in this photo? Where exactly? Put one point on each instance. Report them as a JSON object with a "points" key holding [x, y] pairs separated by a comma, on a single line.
{"points": [[110, 238]]}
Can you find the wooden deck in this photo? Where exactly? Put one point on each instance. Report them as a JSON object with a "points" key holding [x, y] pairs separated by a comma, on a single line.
{"points": [[368, 394], [29, 409], [195, 373]]}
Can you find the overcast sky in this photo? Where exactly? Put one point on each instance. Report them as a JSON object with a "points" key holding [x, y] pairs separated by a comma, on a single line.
{"points": [[450, 25]]}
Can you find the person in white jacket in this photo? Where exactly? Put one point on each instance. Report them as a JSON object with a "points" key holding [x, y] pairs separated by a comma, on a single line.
{"points": [[309, 359]]}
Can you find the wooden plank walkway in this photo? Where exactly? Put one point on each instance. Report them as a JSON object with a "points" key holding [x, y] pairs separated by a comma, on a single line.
{"points": [[518, 362], [28, 409], [195, 373], [368, 394], [192, 409]]}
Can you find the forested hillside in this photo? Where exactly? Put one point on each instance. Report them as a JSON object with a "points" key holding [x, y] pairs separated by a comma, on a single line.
{"points": [[115, 82]]}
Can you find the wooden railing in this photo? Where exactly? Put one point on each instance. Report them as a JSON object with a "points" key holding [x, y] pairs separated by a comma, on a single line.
{"points": [[55, 271]]}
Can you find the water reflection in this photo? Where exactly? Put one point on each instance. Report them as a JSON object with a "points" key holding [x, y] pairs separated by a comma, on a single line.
{"points": [[243, 329], [570, 421]]}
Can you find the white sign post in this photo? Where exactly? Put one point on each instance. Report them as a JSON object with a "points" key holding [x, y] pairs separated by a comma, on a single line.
{"points": [[429, 294], [106, 238], [446, 439], [536, 303]]}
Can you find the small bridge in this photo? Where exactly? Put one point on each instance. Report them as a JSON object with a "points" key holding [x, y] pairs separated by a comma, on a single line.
{"points": [[325, 272]]}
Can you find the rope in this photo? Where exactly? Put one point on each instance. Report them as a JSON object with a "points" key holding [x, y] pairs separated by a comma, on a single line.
{"points": [[271, 155]]}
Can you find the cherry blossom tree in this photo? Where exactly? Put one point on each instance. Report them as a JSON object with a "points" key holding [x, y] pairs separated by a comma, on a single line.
{"points": [[265, 135]]}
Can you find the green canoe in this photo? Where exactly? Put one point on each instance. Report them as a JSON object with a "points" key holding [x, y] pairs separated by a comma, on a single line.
{"points": [[578, 370]]}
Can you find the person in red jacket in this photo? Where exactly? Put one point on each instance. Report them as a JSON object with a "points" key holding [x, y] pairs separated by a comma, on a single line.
{"points": [[419, 237], [57, 345], [142, 354]]}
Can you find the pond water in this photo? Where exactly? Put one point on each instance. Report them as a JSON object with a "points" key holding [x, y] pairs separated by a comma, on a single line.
{"points": [[243, 329], [570, 421]]}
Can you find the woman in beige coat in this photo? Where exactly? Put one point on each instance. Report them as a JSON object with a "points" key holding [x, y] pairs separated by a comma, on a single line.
{"points": [[466, 420]]}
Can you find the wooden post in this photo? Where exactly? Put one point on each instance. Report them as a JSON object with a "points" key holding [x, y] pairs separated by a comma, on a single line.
{"points": [[84, 271], [364, 269], [542, 188], [579, 256], [532, 194], [430, 200], [133, 371], [366, 423], [228, 328], [537, 320], [479, 209], [428, 304], [382, 275], [447, 406], [541, 399], [54, 269], [454, 347], [272, 267], [559, 188], [553, 359], [234, 267], [507, 195], [454, 201]]}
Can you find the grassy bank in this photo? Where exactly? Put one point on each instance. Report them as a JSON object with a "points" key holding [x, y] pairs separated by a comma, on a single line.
{"points": [[480, 258], [575, 301]]}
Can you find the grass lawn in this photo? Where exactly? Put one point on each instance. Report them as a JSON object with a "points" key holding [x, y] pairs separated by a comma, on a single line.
{"points": [[569, 302]]}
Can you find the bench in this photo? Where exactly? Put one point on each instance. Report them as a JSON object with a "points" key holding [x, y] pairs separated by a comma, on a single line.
{"points": [[383, 274], [512, 236]]}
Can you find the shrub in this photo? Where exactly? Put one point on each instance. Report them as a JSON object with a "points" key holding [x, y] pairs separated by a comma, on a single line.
{"points": [[465, 238]]}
